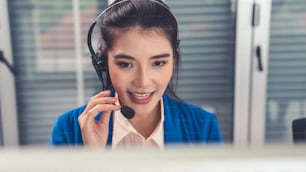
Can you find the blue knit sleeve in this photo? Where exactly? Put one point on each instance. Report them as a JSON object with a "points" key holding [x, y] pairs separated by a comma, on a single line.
{"points": [[56, 136], [66, 130]]}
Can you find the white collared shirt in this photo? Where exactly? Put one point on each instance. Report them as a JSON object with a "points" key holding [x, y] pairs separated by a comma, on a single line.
{"points": [[126, 136]]}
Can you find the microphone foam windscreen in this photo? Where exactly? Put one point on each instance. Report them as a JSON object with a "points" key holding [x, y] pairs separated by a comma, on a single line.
{"points": [[127, 112]]}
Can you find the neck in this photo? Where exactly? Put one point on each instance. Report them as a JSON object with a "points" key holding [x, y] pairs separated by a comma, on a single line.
{"points": [[146, 123]]}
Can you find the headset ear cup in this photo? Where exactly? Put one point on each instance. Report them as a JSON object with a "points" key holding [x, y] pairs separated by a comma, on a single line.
{"points": [[104, 62], [100, 65], [99, 62]]}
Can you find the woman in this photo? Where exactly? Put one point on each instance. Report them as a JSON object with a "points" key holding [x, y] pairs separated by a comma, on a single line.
{"points": [[140, 51]]}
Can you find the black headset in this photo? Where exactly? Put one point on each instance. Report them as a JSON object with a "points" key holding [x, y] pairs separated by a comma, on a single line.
{"points": [[99, 60]]}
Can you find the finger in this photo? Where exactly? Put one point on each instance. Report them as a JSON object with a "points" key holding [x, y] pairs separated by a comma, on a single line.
{"points": [[103, 100], [102, 108], [105, 93], [90, 103]]}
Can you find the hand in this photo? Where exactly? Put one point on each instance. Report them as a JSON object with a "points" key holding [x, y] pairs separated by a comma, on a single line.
{"points": [[95, 133]]}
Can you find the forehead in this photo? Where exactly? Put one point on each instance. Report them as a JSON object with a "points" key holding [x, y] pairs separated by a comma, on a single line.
{"points": [[137, 32], [141, 40]]}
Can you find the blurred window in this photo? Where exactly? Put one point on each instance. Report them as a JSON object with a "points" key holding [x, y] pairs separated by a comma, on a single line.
{"points": [[286, 87]]}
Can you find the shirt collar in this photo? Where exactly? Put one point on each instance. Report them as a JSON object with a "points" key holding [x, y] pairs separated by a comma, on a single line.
{"points": [[122, 128]]}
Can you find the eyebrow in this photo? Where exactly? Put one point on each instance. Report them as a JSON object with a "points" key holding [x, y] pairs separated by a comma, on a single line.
{"points": [[124, 56]]}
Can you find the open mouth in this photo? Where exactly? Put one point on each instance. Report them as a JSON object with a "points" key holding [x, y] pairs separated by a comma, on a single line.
{"points": [[141, 98]]}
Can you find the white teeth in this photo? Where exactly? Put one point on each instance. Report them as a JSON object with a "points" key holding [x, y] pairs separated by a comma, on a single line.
{"points": [[141, 95]]}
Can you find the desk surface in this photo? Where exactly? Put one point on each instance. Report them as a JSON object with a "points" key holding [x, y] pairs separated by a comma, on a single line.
{"points": [[178, 158]]}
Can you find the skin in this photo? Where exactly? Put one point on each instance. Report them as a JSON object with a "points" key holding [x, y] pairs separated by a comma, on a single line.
{"points": [[140, 65]]}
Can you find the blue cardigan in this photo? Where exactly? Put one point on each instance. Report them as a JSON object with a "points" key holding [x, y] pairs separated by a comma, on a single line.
{"points": [[184, 123]]}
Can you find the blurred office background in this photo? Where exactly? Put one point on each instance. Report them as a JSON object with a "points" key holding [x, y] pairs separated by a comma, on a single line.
{"points": [[219, 71]]}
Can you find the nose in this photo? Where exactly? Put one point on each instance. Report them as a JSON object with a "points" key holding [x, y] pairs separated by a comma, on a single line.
{"points": [[142, 78]]}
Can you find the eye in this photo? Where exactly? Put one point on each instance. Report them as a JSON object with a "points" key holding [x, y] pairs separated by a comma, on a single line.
{"points": [[159, 63], [124, 65]]}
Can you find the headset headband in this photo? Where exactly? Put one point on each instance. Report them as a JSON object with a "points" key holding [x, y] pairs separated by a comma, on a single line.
{"points": [[89, 35]]}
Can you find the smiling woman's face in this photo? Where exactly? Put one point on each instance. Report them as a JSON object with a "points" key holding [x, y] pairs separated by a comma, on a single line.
{"points": [[140, 67]]}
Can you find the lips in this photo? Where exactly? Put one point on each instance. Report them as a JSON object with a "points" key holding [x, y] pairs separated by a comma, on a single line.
{"points": [[141, 98]]}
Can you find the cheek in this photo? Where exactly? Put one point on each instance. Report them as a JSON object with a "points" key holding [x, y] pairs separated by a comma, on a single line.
{"points": [[165, 77], [116, 77]]}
